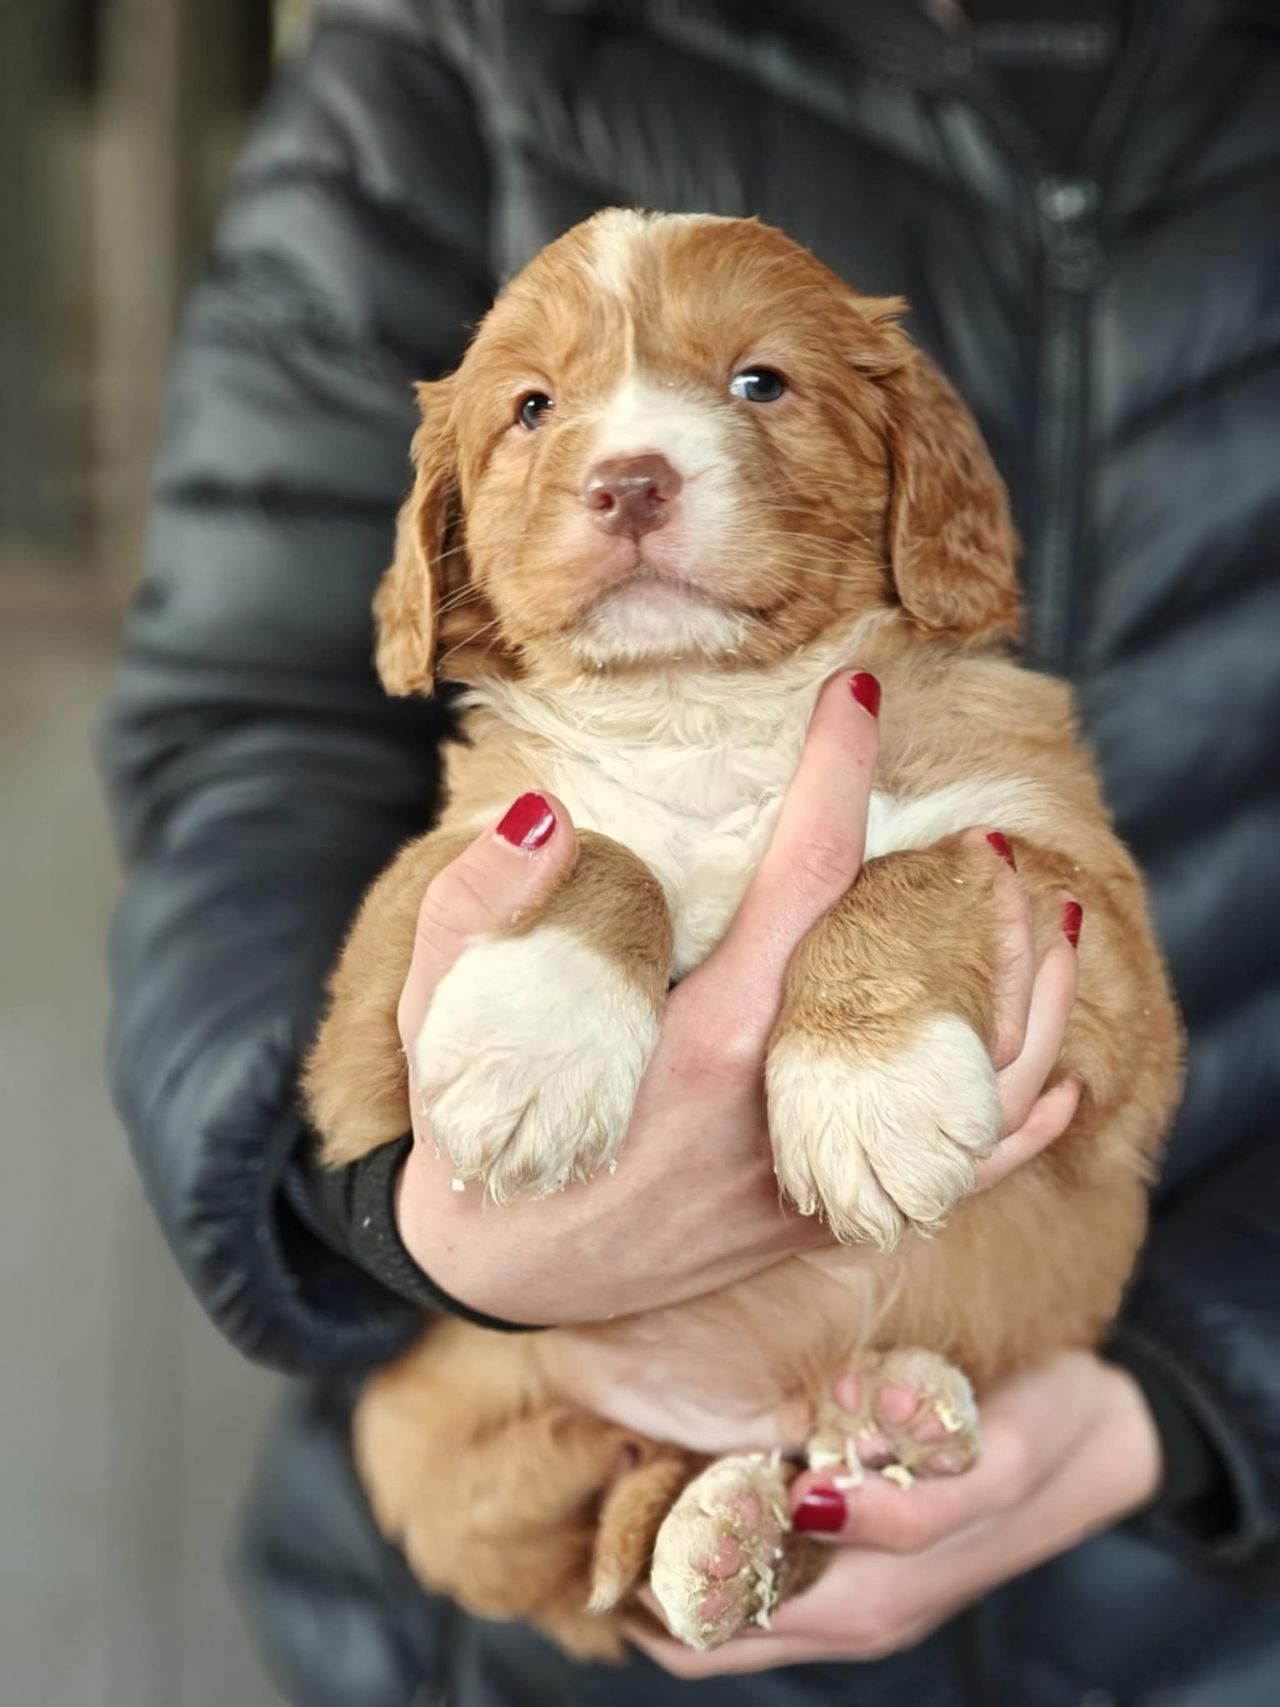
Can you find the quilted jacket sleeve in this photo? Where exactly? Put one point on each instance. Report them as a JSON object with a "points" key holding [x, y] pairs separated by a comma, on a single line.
{"points": [[258, 776], [1204, 1313]]}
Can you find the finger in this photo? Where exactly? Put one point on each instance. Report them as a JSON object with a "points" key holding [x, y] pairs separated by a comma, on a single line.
{"points": [[817, 847], [743, 1654], [1051, 1114], [1015, 952], [862, 1607], [879, 1514], [1052, 997], [507, 870]]}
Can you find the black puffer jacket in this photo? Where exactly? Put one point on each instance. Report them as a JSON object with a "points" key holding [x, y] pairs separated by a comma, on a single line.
{"points": [[1116, 332]]}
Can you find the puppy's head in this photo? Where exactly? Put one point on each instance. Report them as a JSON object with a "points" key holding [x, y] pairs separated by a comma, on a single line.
{"points": [[684, 438]]}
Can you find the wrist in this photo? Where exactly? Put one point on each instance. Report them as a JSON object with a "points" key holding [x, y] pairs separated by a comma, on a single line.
{"points": [[600, 1249], [1130, 1440], [432, 1231], [431, 1249], [525, 1263]]}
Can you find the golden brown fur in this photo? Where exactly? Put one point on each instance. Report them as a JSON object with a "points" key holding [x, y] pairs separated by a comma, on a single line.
{"points": [[866, 493]]}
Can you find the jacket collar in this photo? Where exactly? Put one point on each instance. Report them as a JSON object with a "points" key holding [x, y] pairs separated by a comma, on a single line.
{"points": [[895, 37]]}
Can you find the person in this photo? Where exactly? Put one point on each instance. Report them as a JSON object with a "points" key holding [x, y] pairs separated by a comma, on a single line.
{"points": [[1076, 201]]}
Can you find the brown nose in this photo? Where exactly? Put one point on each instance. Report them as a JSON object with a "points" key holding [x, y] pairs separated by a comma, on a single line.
{"points": [[631, 494]]}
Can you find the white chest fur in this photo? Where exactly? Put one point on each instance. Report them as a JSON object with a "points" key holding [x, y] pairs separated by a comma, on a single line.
{"points": [[699, 817], [690, 774]]}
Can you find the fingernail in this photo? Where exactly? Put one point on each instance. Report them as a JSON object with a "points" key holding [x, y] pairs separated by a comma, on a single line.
{"points": [[528, 823], [1072, 916], [1000, 843], [866, 690], [822, 1511]]}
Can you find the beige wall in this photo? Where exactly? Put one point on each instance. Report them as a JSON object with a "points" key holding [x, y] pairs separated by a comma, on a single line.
{"points": [[127, 1427], [119, 120]]}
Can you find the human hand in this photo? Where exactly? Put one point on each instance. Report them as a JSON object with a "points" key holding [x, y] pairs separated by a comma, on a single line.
{"points": [[1068, 1449], [694, 1205]]}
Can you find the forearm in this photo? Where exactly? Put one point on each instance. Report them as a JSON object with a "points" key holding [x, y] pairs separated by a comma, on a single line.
{"points": [[218, 957], [210, 1012], [353, 1210], [668, 1225]]}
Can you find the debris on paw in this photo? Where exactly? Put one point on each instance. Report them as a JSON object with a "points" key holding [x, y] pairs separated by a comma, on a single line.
{"points": [[716, 1560], [894, 1416], [823, 1458], [947, 1414]]}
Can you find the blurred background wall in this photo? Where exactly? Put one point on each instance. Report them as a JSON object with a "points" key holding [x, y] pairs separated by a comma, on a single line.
{"points": [[119, 120], [126, 1427]]}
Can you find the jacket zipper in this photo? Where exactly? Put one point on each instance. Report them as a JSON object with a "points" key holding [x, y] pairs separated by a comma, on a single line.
{"points": [[1072, 265], [1071, 269]]}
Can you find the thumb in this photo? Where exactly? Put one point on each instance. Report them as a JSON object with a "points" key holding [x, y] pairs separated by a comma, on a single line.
{"points": [[506, 871]]}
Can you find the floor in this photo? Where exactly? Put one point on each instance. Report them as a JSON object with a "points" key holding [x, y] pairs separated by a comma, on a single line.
{"points": [[126, 1425]]}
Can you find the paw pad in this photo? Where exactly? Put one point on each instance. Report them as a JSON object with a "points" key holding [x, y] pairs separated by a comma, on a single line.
{"points": [[717, 1557], [906, 1414]]}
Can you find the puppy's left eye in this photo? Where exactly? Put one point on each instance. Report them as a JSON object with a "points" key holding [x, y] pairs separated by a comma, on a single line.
{"points": [[757, 385]]}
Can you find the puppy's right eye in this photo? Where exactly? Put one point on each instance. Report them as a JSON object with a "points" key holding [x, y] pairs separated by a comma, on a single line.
{"points": [[532, 408]]}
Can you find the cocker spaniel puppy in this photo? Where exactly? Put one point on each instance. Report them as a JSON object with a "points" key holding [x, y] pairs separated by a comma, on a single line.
{"points": [[684, 473]]}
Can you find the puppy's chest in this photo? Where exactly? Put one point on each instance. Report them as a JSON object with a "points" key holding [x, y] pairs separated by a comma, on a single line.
{"points": [[699, 819]]}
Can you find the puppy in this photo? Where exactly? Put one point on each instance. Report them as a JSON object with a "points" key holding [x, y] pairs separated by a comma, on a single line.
{"points": [[682, 474]]}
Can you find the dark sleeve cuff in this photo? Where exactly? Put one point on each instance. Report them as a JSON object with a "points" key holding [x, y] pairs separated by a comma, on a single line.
{"points": [[1196, 1503], [353, 1210]]}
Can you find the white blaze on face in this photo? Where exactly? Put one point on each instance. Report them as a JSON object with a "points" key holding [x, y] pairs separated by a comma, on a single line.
{"points": [[647, 414], [618, 232], [675, 611], [677, 615], [615, 235]]}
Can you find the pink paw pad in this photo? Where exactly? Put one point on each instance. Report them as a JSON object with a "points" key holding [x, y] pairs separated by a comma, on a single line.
{"points": [[712, 1610], [948, 1463], [897, 1404], [874, 1448], [716, 1562], [909, 1413]]}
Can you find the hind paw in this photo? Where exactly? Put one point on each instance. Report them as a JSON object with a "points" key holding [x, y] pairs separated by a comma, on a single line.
{"points": [[717, 1560], [908, 1413]]}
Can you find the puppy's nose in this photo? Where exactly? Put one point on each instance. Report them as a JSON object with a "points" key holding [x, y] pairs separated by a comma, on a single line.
{"points": [[631, 494]]}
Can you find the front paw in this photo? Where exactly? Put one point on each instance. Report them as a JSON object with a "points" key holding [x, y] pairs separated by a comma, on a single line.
{"points": [[529, 1059], [877, 1143]]}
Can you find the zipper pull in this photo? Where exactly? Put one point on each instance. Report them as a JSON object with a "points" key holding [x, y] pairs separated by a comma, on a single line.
{"points": [[1074, 259]]}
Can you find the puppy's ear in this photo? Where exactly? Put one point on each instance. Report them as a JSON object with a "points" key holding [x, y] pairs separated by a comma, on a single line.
{"points": [[952, 545], [407, 604]]}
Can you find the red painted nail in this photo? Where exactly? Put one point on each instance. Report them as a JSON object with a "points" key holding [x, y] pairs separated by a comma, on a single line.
{"points": [[528, 823], [822, 1511], [1000, 843], [866, 690], [1072, 916]]}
